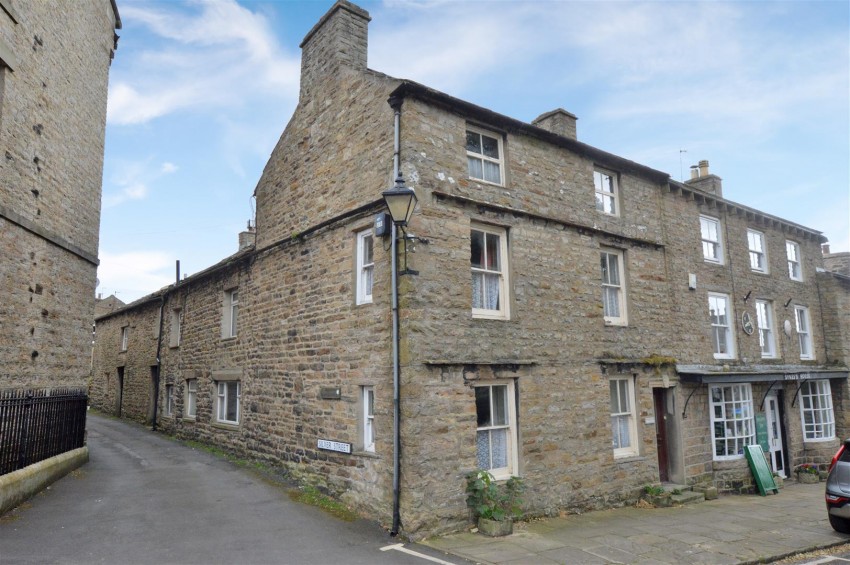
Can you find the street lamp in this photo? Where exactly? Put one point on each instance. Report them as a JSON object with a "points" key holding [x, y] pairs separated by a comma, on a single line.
{"points": [[400, 201]]}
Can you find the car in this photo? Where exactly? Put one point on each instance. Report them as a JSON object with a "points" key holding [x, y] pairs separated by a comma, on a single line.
{"points": [[838, 490]]}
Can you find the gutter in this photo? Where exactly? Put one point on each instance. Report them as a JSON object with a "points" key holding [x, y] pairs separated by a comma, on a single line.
{"points": [[508, 124]]}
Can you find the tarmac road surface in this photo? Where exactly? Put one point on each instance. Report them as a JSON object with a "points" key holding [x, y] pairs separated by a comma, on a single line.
{"points": [[144, 498]]}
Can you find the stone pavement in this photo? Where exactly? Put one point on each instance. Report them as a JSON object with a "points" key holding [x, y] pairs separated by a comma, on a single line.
{"points": [[731, 529]]}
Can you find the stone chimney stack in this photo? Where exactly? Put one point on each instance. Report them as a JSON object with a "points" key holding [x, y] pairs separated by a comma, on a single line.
{"points": [[705, 181], [558, 121], [339, 40], [248, 237]]}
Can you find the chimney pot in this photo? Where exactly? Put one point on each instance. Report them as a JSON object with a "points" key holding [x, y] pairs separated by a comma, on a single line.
{"points": [[694, 172], [703, 168]]}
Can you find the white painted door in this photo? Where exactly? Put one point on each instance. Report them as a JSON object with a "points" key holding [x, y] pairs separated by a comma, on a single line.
{"points": [[774, 434]]}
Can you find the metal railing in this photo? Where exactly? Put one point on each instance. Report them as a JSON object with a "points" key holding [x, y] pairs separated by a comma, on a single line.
{"points": [[39, 424]]}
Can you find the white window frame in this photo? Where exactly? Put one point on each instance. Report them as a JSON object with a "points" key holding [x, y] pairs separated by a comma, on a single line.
{"points": [[795, 264], [712, 248], [484, 158], [125, 338], [368, 402], [223, 396], [365, 267], [816, 412], [169, 400], [503, 311], [230, 314], [500, 473], [757, 246], [623, 408], [803, 323], [175, 327], [716, 326], [607, 201], [767, 333], [738, 427], [190, 404], [615, 288]]}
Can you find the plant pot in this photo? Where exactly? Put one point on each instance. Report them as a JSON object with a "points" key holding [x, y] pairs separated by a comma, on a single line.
{"points": [[495, 528], [808, 478]]}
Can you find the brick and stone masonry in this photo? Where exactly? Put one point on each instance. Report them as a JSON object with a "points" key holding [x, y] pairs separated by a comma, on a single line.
{"points": [[302, 337], [54, 67]]}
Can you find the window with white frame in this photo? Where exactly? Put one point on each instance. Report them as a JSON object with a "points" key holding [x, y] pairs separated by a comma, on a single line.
{"points": [[489, 262], [719, 310], [613, 287], [758, 253], [365, 266], [816, 411], [712, 243], [732, 424], [484, 155], [804, 332], [795, 269], [230, 314], [496, 428], [764, 318], [623, 418], [368, 401], [174, 334], [191, 401], [125, 338], [607, 193], [169, 400], [228, 400]]}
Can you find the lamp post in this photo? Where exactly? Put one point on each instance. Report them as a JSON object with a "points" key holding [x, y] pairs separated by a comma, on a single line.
{"points": [[400, 200]]}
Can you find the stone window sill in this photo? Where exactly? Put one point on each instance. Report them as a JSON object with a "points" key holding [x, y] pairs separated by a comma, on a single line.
{"points": [[223, 426]]}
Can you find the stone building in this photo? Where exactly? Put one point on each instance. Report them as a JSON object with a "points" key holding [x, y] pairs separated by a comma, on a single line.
{"points": [[569, 316], [54, 67]]}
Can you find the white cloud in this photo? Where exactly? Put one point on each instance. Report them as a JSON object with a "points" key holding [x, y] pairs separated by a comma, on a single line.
{"points": [[719, 64], [217, 55], [131, 180], [134, 274]]}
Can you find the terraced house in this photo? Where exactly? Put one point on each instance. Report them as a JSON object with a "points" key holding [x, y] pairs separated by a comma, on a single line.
{"points": [[568, 316]]}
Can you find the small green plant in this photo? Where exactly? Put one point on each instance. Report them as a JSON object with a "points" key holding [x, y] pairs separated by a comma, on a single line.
{"points": [[807, 468], [653, 490], [312, 496], [676, 492], [492, 501]]}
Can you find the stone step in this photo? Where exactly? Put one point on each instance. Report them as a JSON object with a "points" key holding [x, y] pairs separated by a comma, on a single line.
{"points": [[670, 487], [688, 497]]}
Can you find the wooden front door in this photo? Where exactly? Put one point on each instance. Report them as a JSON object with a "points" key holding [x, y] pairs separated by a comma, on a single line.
{"points": [[659, 397]]}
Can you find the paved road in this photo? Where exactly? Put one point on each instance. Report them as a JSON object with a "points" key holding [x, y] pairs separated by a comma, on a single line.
{"points": [[143, 498]]}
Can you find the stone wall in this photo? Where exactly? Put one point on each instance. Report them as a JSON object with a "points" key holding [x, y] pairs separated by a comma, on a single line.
{"points": [[335, 154], [301, 333], [52, 119], [837, 263]]}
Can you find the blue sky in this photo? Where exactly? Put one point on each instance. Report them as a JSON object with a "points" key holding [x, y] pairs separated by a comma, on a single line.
{"points": [[201, 91]]}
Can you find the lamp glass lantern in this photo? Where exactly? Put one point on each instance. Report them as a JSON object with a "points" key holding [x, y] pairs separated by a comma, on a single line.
{"points": [[400, 200]]}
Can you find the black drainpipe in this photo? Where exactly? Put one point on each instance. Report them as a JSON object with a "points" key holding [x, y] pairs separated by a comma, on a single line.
{"points": [[159, 347]]}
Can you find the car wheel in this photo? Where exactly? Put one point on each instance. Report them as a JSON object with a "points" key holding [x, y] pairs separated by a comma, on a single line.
{"points": [[839, 524]]}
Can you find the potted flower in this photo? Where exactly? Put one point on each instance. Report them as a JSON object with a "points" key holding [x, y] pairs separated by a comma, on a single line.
{"points": [[807, 473], [494, 505]]}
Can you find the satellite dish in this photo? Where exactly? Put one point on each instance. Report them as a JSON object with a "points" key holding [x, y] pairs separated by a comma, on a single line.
{"points": [[787, 327], [96, 283]]}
